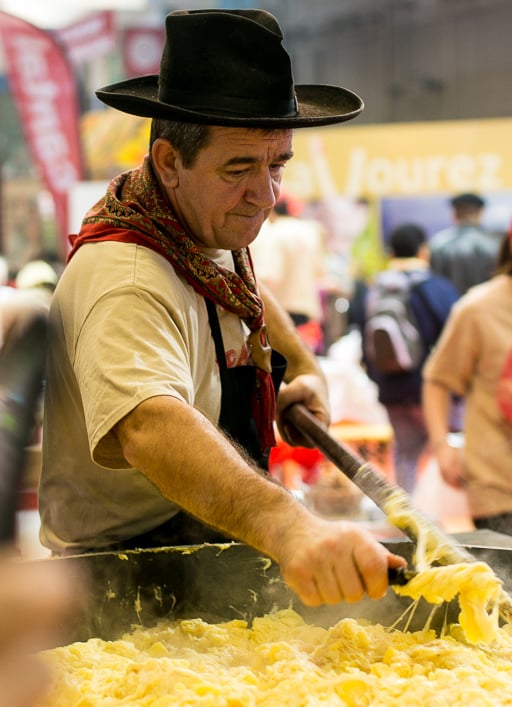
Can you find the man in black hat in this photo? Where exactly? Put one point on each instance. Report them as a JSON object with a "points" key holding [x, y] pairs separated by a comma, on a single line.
{"points": [[465, 253], [160, 398]]}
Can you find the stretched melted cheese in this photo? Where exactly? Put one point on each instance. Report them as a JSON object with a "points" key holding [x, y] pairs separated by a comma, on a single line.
{"points": [[281, 661], [478, 591]]}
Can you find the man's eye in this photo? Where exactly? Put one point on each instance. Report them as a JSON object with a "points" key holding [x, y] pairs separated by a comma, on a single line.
{"points": [[277, 168], [237, 173]]}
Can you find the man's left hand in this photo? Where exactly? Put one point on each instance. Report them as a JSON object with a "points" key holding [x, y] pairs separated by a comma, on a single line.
{"points": [[311, 391]]}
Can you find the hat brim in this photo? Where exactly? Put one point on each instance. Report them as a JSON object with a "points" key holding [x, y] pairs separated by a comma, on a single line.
{"points": [[317, 105]]}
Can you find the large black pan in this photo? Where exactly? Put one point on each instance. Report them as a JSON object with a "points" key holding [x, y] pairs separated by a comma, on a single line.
{"points": [[222, 582]]}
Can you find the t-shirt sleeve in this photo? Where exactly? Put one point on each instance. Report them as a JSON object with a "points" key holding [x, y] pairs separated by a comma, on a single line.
{"points": [[130, 349]]}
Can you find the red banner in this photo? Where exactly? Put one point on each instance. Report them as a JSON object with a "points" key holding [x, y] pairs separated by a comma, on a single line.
{"points": [[142, 49], [44, 90], [89, 38]]}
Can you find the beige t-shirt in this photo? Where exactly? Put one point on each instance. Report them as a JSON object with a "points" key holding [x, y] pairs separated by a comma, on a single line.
{"points": [[468, 360], [124, 327]]}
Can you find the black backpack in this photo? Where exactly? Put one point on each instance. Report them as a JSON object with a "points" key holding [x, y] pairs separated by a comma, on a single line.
{"points": [[392, 342]]}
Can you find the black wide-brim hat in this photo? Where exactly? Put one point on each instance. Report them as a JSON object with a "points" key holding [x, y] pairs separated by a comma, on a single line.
{"points": [[229, 67]]}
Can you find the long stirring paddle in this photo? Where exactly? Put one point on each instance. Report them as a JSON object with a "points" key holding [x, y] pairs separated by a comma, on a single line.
{"points": [[389, 497]]}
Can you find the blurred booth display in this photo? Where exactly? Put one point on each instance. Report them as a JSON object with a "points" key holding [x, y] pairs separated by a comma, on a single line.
{"points": [[113, 142]]}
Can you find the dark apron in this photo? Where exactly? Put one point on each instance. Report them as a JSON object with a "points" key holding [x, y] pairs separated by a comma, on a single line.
{"points": [[237, 422]]}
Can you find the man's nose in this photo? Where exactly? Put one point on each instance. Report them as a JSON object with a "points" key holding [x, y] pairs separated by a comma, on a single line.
{"points": [[262, 190]]}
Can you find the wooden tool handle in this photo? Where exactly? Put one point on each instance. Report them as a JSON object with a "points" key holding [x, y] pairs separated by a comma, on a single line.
{"points": [[390, 498]]}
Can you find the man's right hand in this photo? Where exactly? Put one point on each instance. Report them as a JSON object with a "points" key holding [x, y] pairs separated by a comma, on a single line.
{"points": [[327, 562]]}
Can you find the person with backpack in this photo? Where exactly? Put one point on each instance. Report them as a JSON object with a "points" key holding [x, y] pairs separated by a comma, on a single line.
{"points": [[404, 312]]}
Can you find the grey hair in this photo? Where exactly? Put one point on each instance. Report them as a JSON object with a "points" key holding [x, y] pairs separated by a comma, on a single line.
{"points": [[187, 138]]}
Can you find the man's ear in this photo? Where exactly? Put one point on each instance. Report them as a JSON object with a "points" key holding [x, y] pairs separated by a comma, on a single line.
{"points": [[164, 158]]}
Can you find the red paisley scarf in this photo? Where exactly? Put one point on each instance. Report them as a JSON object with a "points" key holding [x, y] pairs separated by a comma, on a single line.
{"points": [[134, 210]]}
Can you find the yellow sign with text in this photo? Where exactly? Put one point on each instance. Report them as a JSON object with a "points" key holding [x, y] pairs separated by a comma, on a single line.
{"points": [[401, 159]]}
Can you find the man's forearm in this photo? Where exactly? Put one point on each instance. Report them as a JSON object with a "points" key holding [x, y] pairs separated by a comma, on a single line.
{"points": [[195, 466]]}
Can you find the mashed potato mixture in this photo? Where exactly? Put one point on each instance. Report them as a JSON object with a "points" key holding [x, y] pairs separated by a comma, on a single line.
{"points": [[280, 660]]}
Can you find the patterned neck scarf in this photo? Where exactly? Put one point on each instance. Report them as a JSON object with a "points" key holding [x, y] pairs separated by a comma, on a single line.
{"points": [[134, 210]]}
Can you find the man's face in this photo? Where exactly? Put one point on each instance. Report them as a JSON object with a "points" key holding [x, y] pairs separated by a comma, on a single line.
{"points": [[235, 181]]}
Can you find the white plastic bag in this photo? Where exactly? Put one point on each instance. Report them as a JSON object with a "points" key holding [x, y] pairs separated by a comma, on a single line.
{"points": [[352, 395]]}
